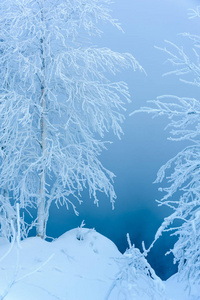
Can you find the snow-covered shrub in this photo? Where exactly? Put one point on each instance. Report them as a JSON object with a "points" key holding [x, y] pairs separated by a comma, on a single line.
{"points": [[80, 232], [136, 278]]}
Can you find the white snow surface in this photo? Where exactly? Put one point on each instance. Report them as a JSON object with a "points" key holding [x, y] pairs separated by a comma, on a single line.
{"points": [[177, 289], [68, 268]]}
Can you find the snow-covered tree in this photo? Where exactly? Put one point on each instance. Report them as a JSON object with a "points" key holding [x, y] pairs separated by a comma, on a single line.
{"points": [[182, 172], [57, 100]]}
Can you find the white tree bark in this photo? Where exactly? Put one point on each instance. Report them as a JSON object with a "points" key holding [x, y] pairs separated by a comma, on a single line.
{"points": [[43, 127]]}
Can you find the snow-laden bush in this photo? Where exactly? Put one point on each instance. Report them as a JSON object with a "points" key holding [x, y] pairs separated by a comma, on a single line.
{"points": [[136, 279]]}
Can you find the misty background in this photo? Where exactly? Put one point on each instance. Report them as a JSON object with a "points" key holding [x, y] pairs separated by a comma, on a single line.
{"points": [[144, 148]]}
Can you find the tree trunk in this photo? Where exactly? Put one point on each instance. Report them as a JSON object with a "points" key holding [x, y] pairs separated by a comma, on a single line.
{"points": [[43, 127]]}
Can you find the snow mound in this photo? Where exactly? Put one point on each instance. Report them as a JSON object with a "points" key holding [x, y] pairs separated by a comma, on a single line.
{"points": [[80, 265], [177, 289]]}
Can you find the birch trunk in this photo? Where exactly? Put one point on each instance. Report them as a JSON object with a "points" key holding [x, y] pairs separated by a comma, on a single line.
{"points": [[41, 200]]}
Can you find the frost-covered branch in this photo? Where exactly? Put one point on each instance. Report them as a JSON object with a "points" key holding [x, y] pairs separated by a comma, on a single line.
{"points": [[184, 64]]}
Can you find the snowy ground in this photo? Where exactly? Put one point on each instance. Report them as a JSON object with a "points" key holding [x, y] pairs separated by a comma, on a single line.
{"points": [[80, 265]]}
